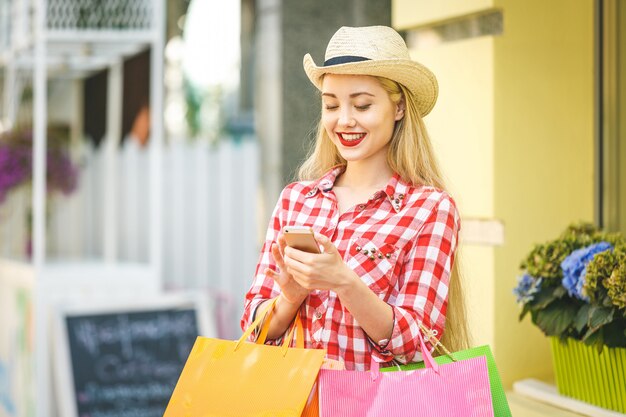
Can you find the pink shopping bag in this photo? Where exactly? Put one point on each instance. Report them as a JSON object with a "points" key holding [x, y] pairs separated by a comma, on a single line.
{"points": [[455, 389]]}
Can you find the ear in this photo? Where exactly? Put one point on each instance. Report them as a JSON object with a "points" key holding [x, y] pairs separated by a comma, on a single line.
{"points": [[400, 109]]}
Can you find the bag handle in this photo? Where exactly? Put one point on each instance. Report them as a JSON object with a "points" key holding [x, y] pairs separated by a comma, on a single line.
{"points": [[296, 327], [429, 361], [439, 347], [265, 316]]}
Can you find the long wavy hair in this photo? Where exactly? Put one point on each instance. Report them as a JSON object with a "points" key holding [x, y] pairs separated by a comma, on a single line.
{"points": [[411, 155]]}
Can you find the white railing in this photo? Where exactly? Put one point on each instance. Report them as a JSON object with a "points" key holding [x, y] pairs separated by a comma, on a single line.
{"points": [[210, 227]]}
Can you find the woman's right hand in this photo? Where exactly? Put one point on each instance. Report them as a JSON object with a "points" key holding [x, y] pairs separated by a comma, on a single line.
{"points": [[291, 291]]}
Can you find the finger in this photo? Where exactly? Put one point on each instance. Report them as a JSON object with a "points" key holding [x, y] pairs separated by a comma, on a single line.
{"points": [[271, 273], [278, 257], [301, 279], [298, 255], [282, 243], [326, 243], [274, 275], [295, 266]]}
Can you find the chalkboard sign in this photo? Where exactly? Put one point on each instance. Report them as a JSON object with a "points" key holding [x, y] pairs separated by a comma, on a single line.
{"points": [[122, 361]]}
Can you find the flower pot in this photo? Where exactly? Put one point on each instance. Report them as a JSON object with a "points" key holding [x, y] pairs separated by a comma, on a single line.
{"points": [[582, 372]]}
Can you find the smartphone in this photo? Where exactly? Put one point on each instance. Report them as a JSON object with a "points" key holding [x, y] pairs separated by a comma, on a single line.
{"points": [[301, 238]]}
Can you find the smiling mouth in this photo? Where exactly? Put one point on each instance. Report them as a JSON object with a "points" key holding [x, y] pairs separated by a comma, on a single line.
{"points": [[350, 139]]}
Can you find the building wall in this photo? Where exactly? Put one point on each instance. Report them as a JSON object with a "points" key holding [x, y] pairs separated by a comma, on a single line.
{"points": [[461, 129], [544, 151], [412, 13], [514, 129]]}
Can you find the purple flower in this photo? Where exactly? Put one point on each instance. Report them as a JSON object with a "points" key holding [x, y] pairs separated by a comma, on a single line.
{"points": [[527, 287], [575, 267], [16, 166]]}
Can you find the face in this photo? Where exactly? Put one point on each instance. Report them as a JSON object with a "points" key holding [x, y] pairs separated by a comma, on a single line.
{"points": [[358, 116]]}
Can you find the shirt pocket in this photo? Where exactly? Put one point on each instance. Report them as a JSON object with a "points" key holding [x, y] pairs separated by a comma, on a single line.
{"points": [[374, 261]]}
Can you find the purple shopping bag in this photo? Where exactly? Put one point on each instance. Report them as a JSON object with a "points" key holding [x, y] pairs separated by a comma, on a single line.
{"points": [[455, 389]]}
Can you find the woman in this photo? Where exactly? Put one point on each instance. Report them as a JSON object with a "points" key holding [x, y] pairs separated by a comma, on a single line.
{"points": [[373, 193]]}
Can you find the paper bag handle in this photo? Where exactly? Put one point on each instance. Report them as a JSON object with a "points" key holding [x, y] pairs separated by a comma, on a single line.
{"points": [[266, 314], [429, 361], [267, 311]]}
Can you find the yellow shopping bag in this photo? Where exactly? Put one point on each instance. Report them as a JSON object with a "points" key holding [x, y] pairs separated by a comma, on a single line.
{"points": [[224, 378]]}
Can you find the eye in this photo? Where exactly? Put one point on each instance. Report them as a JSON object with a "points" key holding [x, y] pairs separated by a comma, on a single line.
{"points": [[363, 107], [331, 107]]}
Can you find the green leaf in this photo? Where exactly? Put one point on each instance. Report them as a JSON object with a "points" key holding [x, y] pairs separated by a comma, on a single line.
{"points": [[599, 316], [582, 317], [543, 298], [525, 311], [559, 291], [556, 318], [594, 337]]}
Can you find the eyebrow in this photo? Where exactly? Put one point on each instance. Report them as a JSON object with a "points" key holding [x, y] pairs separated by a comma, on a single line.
{"points": [[351, 95]]}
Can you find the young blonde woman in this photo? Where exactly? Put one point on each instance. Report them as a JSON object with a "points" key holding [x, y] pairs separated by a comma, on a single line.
{"points": [[373, 193]]}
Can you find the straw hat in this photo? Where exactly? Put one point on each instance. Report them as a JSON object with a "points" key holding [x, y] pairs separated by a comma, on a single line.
{"points": [[378, 51]]}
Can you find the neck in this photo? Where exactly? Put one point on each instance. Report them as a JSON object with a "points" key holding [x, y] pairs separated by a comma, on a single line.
{"points": [[361, 175]]}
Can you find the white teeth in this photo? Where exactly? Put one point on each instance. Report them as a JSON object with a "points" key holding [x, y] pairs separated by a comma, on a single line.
{"points": [[352, 136]]}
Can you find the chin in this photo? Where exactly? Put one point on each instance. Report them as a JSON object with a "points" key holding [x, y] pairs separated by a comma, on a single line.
{"points": [[352, 156]]}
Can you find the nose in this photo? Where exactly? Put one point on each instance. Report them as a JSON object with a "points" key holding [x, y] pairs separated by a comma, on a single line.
{"points": [[346, 117]]}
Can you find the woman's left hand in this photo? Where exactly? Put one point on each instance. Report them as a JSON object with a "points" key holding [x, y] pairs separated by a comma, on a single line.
{"points": [[325, 271]]}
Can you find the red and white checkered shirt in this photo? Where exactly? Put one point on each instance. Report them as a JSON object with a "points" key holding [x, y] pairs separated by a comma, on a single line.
{"points": [[401, 243]]}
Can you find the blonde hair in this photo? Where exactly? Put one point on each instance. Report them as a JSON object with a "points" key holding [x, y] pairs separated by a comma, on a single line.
{"points": [[410, 155]]}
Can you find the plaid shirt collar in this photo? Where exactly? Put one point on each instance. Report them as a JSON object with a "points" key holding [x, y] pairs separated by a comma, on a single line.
{"points": [[395, 190]]}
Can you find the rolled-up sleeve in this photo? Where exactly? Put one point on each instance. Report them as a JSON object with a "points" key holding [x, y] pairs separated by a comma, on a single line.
{"points": [[424, 280]]}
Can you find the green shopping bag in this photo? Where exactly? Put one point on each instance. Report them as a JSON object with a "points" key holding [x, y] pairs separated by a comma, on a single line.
{"points": [[498, 398]]}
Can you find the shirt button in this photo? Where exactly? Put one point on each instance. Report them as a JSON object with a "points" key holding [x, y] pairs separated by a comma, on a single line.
{"points": [[318, 315]]}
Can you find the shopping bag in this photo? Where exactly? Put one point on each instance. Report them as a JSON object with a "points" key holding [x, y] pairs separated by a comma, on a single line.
{"points": [[312, 406], [224, 378], [459, 388], [498, 397]]}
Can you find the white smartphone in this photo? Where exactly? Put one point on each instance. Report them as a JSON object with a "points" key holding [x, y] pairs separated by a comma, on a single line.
{"points": [[301, 238]]}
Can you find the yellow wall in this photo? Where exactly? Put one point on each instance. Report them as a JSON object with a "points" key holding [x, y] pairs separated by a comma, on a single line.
{"points": [[544, 118], [410, 13], [461, 129], [514, 131]]}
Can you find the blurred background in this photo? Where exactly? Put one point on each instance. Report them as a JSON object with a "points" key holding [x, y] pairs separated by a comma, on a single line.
{"points": [[143, 145]]}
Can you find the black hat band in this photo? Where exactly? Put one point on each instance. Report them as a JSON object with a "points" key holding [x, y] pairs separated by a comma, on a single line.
{"points": [[345, 59]]}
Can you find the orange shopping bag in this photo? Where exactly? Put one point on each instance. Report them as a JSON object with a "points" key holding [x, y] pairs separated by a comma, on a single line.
{"points": [[234, 378]]}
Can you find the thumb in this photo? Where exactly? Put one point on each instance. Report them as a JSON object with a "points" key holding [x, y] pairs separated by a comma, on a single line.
{"points": [[325, 243]]}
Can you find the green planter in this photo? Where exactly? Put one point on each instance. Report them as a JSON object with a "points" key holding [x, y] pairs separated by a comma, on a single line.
{"points": [[588, 375]]}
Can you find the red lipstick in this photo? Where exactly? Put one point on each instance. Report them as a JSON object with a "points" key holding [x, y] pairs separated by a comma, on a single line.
{"points": [[354, 139]]}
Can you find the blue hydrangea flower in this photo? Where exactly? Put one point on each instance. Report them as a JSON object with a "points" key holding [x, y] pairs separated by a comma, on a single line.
{"points": [[527, 287], [575, 267]]}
